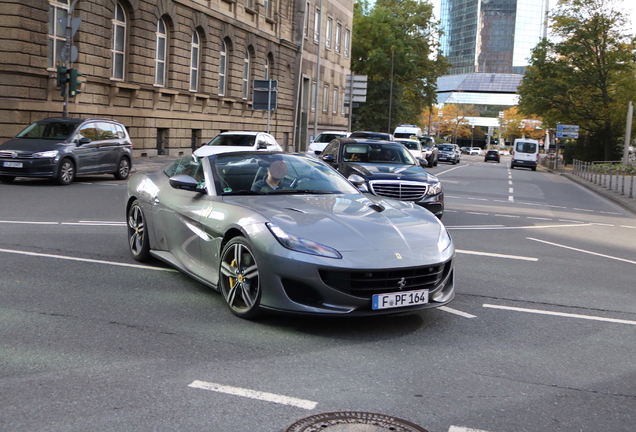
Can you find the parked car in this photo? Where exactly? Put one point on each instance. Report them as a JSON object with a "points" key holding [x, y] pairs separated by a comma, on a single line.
{"points": [[465, 150], [62, 148], [316, 246], [318, 145], [372, 135], [385, 169], [475, 151], [449, 153], [414, 146], [239, 141], [492, 155]]}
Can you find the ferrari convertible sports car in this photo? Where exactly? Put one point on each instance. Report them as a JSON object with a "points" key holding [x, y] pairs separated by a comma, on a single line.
{"points": [[287, 233]]}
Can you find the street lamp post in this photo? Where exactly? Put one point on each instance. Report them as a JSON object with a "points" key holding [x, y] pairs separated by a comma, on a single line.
{"points": [[472, 134]]}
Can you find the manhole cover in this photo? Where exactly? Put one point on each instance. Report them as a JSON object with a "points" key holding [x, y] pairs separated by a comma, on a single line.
{"points": [[353, 422]]}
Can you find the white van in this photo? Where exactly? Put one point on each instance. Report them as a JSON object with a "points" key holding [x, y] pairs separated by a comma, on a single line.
{"points": [[525, 153], [407, 131]]}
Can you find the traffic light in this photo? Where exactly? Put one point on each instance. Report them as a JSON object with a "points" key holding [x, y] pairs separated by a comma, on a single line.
{"points": [[62, 78], [73, 83]]}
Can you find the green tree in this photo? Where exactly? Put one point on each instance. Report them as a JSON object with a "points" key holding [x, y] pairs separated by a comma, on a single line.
{"points": [[584, 75], [395, 45]]}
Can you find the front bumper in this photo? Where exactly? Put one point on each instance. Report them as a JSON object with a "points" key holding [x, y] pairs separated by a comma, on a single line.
{"points": [[42, 168]]}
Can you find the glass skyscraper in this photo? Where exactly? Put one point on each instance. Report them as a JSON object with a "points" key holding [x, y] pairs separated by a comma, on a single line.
{"points": [[491, 36]]}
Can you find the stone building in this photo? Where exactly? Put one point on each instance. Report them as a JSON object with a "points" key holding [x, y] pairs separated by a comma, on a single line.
{"points": [[178, 72]]}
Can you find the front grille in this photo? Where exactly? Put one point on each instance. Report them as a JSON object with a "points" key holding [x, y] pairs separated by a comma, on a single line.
{"points": [[21, 155], [366, 283], [405, 191]]}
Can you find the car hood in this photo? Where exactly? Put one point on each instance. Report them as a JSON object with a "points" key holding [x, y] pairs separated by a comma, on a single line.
{"points": [[32, 144], [388, 172], [350, 223], [208, 150]]}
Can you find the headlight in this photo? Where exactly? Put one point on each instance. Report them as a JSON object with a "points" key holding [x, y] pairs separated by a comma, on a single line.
{"points": [[46, 154], [444, 239], [302, 245], [434, 188]]}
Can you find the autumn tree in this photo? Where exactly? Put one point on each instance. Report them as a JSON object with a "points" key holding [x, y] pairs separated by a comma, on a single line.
{"points": [[395, 45], [583, 75], [516, 125]]}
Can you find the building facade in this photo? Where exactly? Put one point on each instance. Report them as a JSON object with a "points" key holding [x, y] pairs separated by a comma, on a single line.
{"points": [[177, 72], [491, 36]]}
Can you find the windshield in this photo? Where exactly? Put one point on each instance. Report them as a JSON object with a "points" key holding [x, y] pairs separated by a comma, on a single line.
{"points": [[327, 137], [411, 145], [280, 173], [377, 153], [233, 140], [445, 147], [48, 130], [526, 147]]}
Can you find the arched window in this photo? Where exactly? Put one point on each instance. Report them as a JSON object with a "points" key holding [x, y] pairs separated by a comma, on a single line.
{"points": [[58, 14], [118, 50], [194, 62], [160, 57], [222, 68], [266, 68], [246, 75]]}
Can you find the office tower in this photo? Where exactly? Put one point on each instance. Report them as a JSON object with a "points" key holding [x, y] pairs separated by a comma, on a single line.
{"points": [[491, 36]]}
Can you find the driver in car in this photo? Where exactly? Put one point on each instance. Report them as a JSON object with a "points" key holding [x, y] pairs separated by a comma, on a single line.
{"points": [[274, 178]]}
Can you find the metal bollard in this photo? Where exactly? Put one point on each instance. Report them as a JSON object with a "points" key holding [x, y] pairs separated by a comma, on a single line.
{"points": [[623, 185]]}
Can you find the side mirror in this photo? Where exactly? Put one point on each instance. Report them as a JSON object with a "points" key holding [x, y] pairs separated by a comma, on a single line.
{"points": [[84, 140], [184, 182], [423, 162], [329, 158]]}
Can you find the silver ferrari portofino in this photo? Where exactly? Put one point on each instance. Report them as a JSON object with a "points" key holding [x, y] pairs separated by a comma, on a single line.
{"points": [[287, 233]]}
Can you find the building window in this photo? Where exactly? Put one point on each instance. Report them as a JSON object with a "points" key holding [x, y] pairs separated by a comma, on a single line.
{"points": [[306, 27], [313, 101], [317, 23], [325, 99], [118, 54], [338, 36], [268, 5], [249, 4], [222, 68], [58, 14], [195, 49], [160, 58], [266, 68], [328, 33], [347, 41], [246, 75], [334, 103]]}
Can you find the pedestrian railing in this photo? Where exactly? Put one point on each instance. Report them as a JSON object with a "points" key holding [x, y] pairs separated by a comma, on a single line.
{"points": [[610, 175]]}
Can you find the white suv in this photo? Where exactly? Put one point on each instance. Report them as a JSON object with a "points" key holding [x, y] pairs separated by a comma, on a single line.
{"points": [[239, 141]]}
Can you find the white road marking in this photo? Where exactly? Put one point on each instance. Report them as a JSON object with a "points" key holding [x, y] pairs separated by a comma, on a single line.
{"points": [[29, 223], [511, 190], [538, 218], [478, 199], [84, 260], [511, 199], [494, 255], [602, 224], [610, 213], [95, 223], [456, 312], [501, 227], [464, 429], [627, 226], [510, 182], [508, 216], [572, 221], [477, 213], [561, 314], [583, 250], [253, 394], [585, 210]]}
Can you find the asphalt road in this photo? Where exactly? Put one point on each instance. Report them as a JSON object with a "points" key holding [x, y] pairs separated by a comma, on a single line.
{"points": [[540, 337]]}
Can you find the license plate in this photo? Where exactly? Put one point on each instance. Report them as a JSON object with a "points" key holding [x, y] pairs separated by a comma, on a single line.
{"points": [[399, 299], [12, 164]]}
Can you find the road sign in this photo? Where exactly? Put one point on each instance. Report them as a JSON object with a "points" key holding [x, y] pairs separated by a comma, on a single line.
{"points": [[567, 128], [265, 84], [562, 134], [264, 100]]}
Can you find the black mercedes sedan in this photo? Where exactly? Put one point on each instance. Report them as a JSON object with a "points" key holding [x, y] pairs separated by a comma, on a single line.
{"points": [[387, 169]]}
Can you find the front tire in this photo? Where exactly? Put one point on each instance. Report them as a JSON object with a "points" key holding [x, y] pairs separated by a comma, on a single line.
{"points": [[123, 169], [66, 172], [239, 281], [138, 242]]}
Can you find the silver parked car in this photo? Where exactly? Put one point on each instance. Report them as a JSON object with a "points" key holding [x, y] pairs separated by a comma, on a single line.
{"points": [[283, 232]]}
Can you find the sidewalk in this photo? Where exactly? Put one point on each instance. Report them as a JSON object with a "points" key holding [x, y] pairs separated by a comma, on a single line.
{"points": [[150, 164], [616, 197]]}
